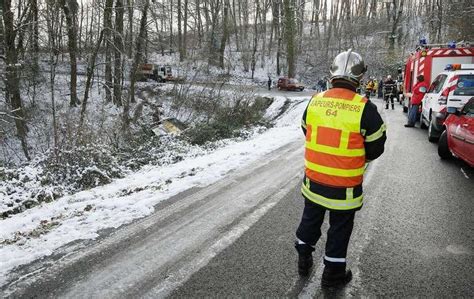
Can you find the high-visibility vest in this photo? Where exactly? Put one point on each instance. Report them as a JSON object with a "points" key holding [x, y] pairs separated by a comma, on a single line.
{"points": [[334, 147]]}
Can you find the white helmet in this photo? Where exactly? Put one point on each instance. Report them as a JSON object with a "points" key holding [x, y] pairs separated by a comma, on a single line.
{"points": [[348, 66]]}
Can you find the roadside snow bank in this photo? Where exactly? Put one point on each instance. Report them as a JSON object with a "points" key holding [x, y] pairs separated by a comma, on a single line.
{"points": [[37, 232]]}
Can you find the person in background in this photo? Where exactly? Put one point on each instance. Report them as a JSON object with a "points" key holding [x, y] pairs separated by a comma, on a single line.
{"points": [[418, 92], [269, 83], [389, 91], [322, 84], [380, 89], [369, 88], [376, 86]]}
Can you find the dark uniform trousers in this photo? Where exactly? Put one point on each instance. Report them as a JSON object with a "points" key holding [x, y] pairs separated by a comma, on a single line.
{"points": [[338, 235]]}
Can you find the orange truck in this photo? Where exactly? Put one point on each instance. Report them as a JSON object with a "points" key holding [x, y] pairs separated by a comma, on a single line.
{"points": [[159, 73]]}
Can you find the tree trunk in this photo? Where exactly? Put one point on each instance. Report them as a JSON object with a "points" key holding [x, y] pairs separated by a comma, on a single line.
{"points": [[185, 28], [279, 34], [12, 78], [397, 14], [236, 27], [255, 39], [2, 32], [243, 4], [263, 22], [290, 37], [180, 34], [90, 73], [118, 45], [225, 33], [69, 11], [35, 25], [199, 22], [108, 49], [215, 9], [133, 75], [130, 28], [79, 38], [171, 27]]}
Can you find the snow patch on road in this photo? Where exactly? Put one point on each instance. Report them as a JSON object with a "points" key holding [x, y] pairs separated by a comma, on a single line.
{"points": [[39, 231]]}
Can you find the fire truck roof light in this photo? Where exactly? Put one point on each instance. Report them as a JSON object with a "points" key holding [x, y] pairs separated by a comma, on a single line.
{"points": [[458, 66], [467, 67]]}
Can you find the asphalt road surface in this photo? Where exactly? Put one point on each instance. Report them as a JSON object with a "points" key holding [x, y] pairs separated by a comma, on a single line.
{"points": [[413, 237]]}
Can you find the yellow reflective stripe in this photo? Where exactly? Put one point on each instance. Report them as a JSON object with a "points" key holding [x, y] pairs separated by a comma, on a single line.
{"points": [[344, 139], [350, 193], [335, 171], [376, 135], [335, 151], [335, 204], [303, 123]]}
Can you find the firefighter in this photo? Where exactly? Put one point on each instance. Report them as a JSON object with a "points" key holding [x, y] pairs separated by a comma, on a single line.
{"points": [[369, 88], [343, 132], [418, 92], [389, 91], [376, 86]]}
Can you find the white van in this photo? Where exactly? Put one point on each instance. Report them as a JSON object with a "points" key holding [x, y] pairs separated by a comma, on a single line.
{"points": [[455, 85]]}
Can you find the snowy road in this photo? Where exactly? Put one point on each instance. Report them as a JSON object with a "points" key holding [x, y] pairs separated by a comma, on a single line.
{"points": [[414, 236], [155, 255]]}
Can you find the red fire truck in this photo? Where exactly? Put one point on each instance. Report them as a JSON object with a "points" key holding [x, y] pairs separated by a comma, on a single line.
{"points": [[431, 59]]}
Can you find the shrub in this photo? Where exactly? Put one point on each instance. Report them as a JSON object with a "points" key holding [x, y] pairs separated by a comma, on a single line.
{"points": [[229, 120]]}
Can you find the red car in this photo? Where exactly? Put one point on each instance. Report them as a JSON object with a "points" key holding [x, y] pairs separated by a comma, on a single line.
{"points": [[458, 138], [289, 84]]}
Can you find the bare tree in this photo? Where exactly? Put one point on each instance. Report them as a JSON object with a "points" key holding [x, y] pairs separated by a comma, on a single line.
{"points": [[108, 33], [118, 45], [90, 73], [12, 78], [290, 37], [138, 56], [225, 32], [70, 8]]}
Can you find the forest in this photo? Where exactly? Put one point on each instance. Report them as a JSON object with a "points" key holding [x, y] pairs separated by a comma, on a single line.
{"points": [[73, 106]]}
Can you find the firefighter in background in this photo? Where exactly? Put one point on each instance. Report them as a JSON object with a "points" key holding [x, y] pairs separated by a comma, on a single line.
{"points": [[418, 92], [343, 132], [376, 86], [389, 91], [369, 88], [380, 89]]}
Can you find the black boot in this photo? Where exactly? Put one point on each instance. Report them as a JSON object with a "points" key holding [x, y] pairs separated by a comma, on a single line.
{"points": [[393, 107], [305, 258], [335, 277]]}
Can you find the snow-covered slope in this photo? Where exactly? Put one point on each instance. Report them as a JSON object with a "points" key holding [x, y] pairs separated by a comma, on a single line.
{"points": [[39, 231]]}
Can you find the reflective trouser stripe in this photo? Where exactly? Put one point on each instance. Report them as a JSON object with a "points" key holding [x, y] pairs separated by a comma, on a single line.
{"points": [[335, 204], [335, 259]]}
